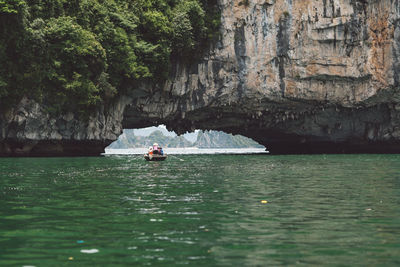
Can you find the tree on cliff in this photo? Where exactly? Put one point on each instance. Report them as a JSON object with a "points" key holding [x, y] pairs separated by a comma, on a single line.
{"points": [[75, 55]]}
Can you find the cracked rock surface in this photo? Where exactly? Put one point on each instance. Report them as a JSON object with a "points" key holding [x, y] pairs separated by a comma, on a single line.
{"points": [[298, 76]]}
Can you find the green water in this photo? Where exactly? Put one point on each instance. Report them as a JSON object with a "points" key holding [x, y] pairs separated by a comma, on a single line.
{"points": [[202, 210]]}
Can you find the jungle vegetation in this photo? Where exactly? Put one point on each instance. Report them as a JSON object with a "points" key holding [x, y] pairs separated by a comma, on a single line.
{"points": [[78, 54]]}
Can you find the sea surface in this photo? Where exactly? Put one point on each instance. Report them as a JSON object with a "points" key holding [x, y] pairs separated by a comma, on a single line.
{"points": [[201, 210], [188, 150]]}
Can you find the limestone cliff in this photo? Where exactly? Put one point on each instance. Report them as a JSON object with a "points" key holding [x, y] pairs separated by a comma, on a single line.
{"points": [[28, 130], [298, 76]]}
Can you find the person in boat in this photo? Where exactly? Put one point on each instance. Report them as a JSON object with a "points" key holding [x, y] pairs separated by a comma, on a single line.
{"points": [[161, 151], [155, 149], [150, 151]]}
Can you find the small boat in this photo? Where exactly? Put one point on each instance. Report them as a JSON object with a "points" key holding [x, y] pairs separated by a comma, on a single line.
{"points": [[155, 153], [155, 157]]}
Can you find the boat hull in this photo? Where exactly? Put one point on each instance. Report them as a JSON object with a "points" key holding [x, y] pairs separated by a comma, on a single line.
{"points": [[155, 157]]}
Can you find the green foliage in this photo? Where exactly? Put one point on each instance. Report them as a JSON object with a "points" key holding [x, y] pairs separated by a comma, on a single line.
{"points": [[70, 61], [75, 55], [188, 26], [183, 35], [11, 6]]}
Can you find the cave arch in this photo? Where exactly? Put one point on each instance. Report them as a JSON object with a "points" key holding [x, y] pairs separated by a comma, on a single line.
{"points": [[290, 128]]}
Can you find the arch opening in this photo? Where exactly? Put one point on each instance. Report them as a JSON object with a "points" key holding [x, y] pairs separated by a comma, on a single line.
{"points": [[136, 141]]}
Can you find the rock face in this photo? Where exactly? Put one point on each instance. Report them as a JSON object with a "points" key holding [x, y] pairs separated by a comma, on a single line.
{"points": [[28, 130], [298, 76]]}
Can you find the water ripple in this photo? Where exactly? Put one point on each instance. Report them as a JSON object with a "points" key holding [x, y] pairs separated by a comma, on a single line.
{"points": [[205, 211]]}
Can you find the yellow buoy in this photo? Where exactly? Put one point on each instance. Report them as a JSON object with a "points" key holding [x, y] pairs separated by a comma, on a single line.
{"points": [[71, 258], [264, 201]]}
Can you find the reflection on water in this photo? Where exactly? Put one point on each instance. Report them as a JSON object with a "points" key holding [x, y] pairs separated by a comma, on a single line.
{"points": [[204, 210]]}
